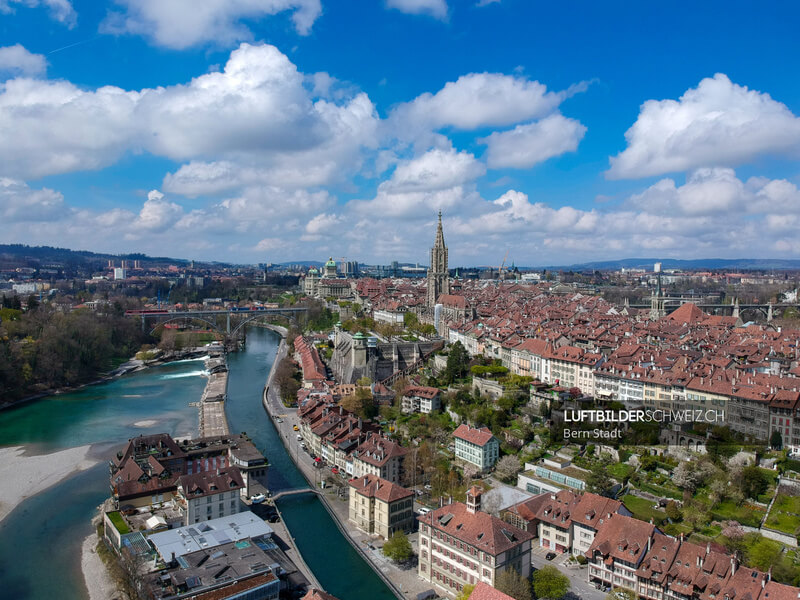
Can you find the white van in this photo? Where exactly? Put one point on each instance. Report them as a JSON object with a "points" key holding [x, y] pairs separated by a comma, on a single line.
{"points": [[423, 511]]}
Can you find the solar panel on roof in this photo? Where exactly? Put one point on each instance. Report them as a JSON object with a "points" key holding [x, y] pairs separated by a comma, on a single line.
{"points": [[446, 519], [218, 554], [192, 582]]}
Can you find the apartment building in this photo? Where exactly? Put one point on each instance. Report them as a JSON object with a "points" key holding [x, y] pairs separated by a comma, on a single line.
{"points": [[379, 506], [460, 545]]}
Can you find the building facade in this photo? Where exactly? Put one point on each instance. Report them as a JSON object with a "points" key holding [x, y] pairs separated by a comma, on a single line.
{"points": [[476, 446], [460, 545], [380, 507]]}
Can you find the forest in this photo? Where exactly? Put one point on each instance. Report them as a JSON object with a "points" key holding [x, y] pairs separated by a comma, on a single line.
{"points": [[44, 349]]}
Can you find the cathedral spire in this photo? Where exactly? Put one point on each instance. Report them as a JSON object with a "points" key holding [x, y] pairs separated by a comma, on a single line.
{"points": [[438, 274]]}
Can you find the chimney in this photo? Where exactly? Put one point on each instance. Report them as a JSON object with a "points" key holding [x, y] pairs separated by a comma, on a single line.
{"points": [[733, 564]]}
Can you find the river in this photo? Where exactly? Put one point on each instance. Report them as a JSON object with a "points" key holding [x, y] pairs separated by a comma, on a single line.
{"points": [[40, 539]]}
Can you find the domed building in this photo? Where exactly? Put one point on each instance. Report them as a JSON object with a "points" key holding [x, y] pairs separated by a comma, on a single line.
{"points": [[329, 271]]}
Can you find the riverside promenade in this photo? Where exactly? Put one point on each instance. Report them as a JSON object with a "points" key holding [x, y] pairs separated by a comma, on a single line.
{"points": [[404, 583]]}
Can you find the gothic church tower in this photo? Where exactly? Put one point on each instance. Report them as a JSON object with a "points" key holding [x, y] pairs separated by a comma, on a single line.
{"points": [[438, 275]]}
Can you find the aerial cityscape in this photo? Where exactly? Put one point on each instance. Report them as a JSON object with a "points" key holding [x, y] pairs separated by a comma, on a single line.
{"points": [[413, 299]]}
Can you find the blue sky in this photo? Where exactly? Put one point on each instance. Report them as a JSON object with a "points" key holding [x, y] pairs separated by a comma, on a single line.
{"points": [[271, 130]]}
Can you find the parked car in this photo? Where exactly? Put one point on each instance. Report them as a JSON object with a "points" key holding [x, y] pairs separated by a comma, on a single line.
{"points": [[550, 556], [423, 511], [299, 438], [335, 470], [258, 498], [296, 428]]}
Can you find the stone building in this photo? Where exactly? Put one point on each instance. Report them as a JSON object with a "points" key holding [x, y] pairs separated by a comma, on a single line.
{"points": [[438, 275], [380, 506]]}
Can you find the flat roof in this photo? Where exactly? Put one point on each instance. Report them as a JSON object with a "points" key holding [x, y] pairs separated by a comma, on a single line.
{"points": [[208, 534]]}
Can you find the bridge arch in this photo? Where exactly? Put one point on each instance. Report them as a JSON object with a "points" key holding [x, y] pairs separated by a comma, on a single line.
{"points": [[235, 331], [213, 326]]}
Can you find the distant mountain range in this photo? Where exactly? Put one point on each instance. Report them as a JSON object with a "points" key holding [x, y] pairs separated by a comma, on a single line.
{"points": [[731, 264], [49, 254]]}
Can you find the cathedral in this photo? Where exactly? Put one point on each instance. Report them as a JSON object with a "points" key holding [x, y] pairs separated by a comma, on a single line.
{"points": [[438, 275]]}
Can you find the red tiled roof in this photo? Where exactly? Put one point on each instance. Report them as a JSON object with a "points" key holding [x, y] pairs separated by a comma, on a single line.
{"points": [[478, 436], [479, 529], [483, 591], [372, 486]]}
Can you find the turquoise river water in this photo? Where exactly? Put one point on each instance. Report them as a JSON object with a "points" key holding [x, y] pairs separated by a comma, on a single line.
{"points": [[40, 540]]}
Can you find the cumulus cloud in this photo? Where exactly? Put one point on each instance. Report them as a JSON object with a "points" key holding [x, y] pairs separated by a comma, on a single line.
{"points": [[17, 61], [60, 10], [532, 143], [718, 123], [21, 203], [436, 169], [437, 179], [157, 214], [476, 100], [432, 8], [256, 113], [181, 24]]}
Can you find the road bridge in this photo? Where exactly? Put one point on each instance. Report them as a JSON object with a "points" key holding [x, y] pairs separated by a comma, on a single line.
{"points": [[295, 492], [242, 316]]}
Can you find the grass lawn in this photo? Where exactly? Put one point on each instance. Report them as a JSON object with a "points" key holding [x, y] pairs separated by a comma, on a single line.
{"points": [[119, 523], [785, 514], [642, 509], [659, 490], [620, 471], [746, 514]]}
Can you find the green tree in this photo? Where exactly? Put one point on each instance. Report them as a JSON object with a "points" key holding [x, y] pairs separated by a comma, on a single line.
{"points": [[550, 583], [753, 482], [599, 480], [776, 440], [764, 553], [465, 592], [510, 582], [398, 548], [457, 363]]}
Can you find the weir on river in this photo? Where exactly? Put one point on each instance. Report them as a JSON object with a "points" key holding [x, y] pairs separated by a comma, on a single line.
{"points": [[43, 535]]}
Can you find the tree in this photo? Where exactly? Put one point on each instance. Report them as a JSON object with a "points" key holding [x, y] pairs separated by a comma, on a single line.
{"points": [[764, 554], [507, 467], [776, 440], [465, 592], [398, 548], [550, 583], [672, 510], [457, 363], [510, 582], [753, 482], [599, 480]]}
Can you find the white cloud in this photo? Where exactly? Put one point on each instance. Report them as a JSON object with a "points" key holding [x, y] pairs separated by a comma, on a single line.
{"points": [[532, 143], [433, 8], [60, 10], [255, 120], [20, 203], [718, 123], [471, 102], [181, 24], [486, 2], [17, 61], [435, 170], [437, 179], [157, 214]]}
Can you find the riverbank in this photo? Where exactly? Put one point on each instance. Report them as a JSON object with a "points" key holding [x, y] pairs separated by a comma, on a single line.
{"points": [[401, 582], [98, 581], [132, 365], [26, 475]]}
